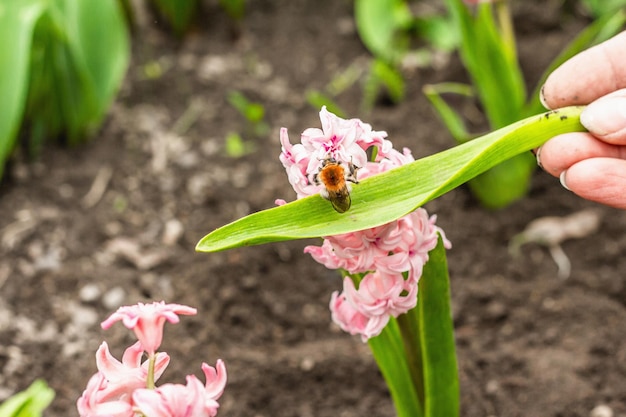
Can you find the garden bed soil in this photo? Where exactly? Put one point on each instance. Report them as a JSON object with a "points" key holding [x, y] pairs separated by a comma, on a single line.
{"points": [[529, 343]]}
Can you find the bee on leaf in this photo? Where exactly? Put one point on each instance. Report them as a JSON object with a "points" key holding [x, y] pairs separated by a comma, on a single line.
{"points": [[336, 178]]}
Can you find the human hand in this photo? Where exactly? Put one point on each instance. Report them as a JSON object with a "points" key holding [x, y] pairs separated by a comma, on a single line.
{"points": [[591, 164]]}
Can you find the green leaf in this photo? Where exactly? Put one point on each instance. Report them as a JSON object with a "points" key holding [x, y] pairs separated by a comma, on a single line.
{"points": [[391, 79], [383, 198], [253, 112], [438, 31], [29, 403], [17, 23], [179, 13], [389, 353], [90, 51], [236, 9], [449, 116], [380, 24], [318, 99], [436, 335]]}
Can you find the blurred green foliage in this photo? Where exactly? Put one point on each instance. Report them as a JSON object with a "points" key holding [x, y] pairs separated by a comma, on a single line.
{"points": [[397, 31], [61, 65], [29, 403]]}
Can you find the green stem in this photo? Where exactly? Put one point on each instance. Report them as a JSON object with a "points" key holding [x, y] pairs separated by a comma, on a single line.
{"points": [[391, 359], [409, 330], [506, 27], [150, 380]]}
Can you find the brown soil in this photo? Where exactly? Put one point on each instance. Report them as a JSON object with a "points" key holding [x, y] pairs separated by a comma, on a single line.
{"points": [[529, 343]]}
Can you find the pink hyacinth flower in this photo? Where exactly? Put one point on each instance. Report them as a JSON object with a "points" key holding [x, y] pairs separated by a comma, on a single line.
{"points": [[191, 400], [395, 247], [344, 140], [379, 297], [109, 391], [346, 316], [129, 374], [96, 400], [147, 321]]}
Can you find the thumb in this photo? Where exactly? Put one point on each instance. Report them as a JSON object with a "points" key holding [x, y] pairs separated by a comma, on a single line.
{"points": [[605, 118]]}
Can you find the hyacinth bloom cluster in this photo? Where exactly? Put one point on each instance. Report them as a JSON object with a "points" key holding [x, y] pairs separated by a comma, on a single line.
{"points": [[126, 388], [386, 261]]}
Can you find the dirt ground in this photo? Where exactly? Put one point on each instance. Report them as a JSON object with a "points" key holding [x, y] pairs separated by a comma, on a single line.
{"points": [[114, 222]]}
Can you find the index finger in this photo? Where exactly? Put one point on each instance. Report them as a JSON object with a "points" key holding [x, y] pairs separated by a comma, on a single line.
{"points": [[587, 76]]}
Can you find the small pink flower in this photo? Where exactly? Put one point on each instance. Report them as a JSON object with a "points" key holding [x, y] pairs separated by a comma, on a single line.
{"points": [[191, 400], [381, 294], [346, 316], [147, 321], [109, 391], [367, 311], [398, 246], [129, 374], [96, 400]]}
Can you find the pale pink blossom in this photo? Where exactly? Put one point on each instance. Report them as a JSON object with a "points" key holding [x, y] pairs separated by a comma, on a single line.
{"points": [[191, 400], [129, 374], [344, 140], [98, 401], [346, 315], [112, 386], [147, 321], [367, 310], [398, 246]]}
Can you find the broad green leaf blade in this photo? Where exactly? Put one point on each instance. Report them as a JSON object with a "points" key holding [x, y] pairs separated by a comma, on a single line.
{"points": [[29, 403], [17, 22], [94, 51], [383, 198], [436, 335], [390, 357]]}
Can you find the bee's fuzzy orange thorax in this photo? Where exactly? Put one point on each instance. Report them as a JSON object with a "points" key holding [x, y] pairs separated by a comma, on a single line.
{"points": [[333, 177]]}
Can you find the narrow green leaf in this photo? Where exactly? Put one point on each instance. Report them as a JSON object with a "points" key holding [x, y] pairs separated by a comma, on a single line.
{"points": [[88, 24], [383, 198], [29, 403], [317, 99], [390, 357], [17, 23], [449, 116], [436, 335], [391, 79]]}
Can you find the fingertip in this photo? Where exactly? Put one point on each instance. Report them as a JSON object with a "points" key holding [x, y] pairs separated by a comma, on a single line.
{"points": [[602, 180], [606, 118]]}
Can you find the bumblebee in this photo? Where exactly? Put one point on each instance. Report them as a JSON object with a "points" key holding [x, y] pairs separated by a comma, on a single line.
{"points": [[335, 177]]}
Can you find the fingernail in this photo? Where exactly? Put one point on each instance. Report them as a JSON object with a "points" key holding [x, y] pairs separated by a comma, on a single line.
{"points": [[562, 179], [605, 116], [542, 98], [537, 155]]}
